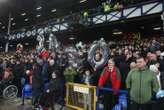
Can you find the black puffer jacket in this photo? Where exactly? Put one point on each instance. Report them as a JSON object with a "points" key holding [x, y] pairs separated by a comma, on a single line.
{"points": [[37, 79], [54, 85]]}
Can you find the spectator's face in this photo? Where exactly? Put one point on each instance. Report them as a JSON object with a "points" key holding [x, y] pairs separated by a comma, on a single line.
{"points": [[31, 61], [126, 51], [144, 49], [130, 47], [26, 61], [112, 53], [141, 63], [110, 64], [153, 57], [53, 55], [158, 53], [51, 62], [70, 67], [18, 62], [132, 65], [134, 54], [153, 41], [120, 51], [148, 55], [97, 57], [59, 56]]}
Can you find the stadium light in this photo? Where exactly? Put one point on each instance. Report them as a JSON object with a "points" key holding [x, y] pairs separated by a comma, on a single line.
{"points": [[12, 19], [13, 24], [82, 1], [117, 33], [71, 38], [26, 19], [38, 16], [53, 10], [3, 27], [157, 28], [39, 8], [23, 14]]}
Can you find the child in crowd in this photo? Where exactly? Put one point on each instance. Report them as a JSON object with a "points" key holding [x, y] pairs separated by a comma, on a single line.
{"points": [[53, 91]]}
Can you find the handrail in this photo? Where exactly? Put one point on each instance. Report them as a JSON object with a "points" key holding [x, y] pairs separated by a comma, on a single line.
{"points": [[110, 90], [127, 7], [142, 3], [52, 20]]}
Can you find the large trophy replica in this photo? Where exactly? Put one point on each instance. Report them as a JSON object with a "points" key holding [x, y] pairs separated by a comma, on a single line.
{"points": [[98, 54], [53, 43], [41, 50], [41, 40]]}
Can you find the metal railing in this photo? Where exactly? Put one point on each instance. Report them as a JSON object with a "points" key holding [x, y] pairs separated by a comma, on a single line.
{"points": [[84, 97]]}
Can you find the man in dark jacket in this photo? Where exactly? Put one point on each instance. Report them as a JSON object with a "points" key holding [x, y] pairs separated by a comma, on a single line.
{"points": [[45, 70], [62, 63], [37, 83], [18, 72]]}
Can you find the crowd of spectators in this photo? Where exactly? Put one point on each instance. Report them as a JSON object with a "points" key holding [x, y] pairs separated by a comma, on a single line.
{"points": [[70, 64]]}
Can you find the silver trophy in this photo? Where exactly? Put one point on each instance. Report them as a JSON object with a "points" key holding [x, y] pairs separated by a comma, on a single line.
{"points": [[40, 39], [53, 42]]}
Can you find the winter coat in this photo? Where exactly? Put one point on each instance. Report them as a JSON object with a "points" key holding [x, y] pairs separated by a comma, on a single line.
{"points": [[110, 79], [37, 79], [18, 71], [45, 71], [69, 74], [142, 84], [54, 85]]}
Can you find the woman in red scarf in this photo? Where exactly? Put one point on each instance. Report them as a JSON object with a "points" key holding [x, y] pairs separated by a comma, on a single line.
{"points": [[110, 78]]}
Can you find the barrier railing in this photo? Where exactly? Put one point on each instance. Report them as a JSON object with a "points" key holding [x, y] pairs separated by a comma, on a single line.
{"points": [[84, 97], [81, 97], [121, 99]]}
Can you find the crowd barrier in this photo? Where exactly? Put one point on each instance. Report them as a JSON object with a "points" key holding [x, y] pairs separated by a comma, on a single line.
{"points": [[81, 97], [84, 97]]}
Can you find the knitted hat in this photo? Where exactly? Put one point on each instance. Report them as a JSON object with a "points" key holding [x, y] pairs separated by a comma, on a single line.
{"points": [[44, 54]]}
